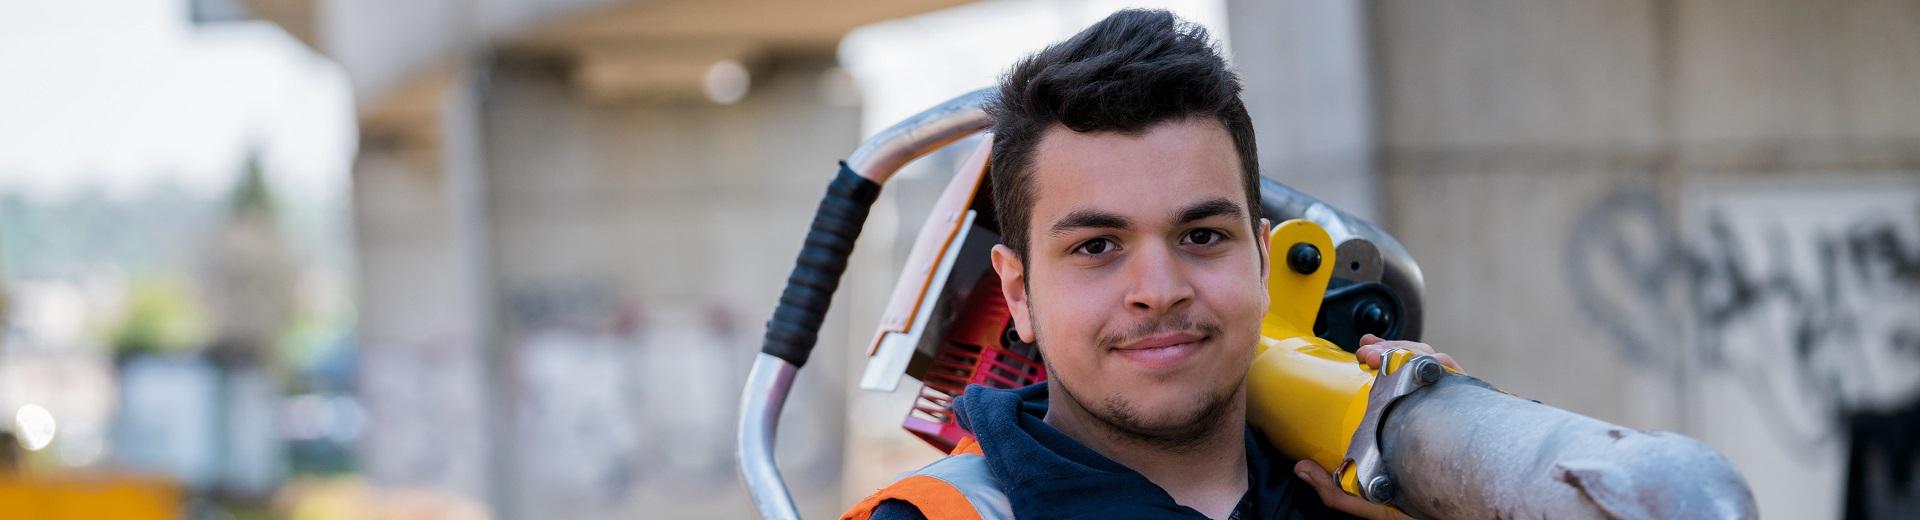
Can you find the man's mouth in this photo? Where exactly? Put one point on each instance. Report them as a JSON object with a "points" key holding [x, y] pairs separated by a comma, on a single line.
{"points": [[1161, 350]]}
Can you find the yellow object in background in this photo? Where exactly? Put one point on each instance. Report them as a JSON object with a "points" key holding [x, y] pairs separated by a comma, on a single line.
{"points": [[77, 497]]}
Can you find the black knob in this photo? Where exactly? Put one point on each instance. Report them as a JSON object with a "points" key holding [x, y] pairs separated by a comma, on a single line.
{"points": [[1303, 258], [1371, 318]]}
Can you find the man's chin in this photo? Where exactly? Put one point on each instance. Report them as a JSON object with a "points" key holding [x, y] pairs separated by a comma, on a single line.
{"points": [[1166, 418]]}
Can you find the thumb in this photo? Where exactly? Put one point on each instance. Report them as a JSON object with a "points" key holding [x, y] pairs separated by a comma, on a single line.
{"points": [[1321, 481]]}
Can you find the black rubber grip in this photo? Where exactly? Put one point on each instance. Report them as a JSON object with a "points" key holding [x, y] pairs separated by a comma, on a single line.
{"points": [[795, 326]]}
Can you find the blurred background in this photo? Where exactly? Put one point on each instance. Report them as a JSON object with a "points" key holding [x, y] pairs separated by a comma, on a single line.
{"points": [[462, 259]]}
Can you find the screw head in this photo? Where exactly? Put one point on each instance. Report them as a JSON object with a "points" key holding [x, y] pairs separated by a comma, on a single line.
{"points": [[1380, 489], [1303, 258], [1429, 372]]}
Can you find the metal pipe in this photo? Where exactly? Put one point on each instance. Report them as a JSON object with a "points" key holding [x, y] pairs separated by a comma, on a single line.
{"points": [[1460, 449], [760, 404], [883, 154], [772, 377]]}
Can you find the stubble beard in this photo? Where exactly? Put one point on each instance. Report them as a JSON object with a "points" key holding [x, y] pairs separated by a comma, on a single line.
{"points": [[1117, 416]]}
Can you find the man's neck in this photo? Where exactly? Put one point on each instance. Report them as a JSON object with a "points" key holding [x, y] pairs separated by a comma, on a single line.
{"points": [[1209, 475]]}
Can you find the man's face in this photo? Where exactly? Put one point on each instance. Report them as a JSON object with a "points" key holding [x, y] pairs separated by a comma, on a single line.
{"points": [[1143, 280]]}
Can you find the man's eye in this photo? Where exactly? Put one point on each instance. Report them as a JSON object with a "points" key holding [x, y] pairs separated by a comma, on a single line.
{"points": [[1204, 237], [1094, 247]]}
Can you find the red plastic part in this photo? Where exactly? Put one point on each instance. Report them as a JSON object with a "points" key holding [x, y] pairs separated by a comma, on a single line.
{"points": [[972, 354]]}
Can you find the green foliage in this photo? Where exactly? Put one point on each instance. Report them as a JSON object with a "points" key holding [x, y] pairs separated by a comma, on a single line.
{"points": [[162, 316]]}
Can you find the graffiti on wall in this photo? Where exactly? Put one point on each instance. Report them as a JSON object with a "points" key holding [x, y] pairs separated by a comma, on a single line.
{"points": [[627, 405], [1809, 295]]}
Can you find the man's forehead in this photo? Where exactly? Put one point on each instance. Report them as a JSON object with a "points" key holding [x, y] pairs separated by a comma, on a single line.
{"points": [[1154, 174]]}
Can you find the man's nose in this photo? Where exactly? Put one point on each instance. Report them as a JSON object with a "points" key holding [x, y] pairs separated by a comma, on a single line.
{"points": [[1159, 281]]}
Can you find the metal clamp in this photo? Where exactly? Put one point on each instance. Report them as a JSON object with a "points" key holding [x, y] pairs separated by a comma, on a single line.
{"points": [[1363, 451]]}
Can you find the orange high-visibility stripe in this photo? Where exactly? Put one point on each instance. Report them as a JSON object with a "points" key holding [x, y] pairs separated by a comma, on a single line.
{"points": [[935, 498]]}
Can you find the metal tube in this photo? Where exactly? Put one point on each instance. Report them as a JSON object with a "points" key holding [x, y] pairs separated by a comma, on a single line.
{"points": [[883, 154], [760, 404], [772, 378], [1459, 449]]}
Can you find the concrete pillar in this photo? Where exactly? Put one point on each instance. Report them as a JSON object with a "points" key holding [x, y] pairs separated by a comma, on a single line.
{"points": [[425, 299], [1308, 87]]}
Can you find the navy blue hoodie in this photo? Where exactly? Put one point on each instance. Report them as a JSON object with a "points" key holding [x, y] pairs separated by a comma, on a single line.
{"points": [[1047, 474]]}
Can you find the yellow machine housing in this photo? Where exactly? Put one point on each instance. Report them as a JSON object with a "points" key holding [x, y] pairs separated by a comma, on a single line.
{"points": [[1298, 380]]}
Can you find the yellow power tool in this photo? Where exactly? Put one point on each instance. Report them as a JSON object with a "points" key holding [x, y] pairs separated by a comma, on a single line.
{"points": [[1430, 441]]}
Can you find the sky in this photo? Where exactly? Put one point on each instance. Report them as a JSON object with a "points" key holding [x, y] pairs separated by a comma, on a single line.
{"points": [[117, 95]]}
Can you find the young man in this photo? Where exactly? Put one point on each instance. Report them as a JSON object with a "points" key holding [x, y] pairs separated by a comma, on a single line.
{"points": [[1134, 255]]}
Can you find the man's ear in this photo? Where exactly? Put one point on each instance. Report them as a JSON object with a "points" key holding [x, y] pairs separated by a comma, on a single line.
{"points": [[1013, 286], [1263, 243]]}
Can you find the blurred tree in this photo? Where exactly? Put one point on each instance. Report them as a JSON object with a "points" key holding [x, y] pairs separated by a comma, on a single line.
{"points": [[250, 273], [162, 316]]}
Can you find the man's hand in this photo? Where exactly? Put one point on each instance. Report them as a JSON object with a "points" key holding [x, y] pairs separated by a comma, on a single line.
{"points": [[1371, 348], [1331, 494]]}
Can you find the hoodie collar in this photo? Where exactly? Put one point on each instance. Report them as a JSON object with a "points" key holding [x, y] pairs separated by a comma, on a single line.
{"points": [[1047, 474]]}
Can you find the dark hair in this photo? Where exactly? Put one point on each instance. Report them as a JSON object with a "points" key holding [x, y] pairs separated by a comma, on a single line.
{"points": [[1128, 72]]}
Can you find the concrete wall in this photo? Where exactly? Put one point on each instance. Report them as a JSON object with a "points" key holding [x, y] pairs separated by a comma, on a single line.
{"points": [[1674, 215], [634, 248]]}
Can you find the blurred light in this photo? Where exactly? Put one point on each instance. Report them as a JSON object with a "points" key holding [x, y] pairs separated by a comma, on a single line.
{"points": [[81, 450], [307, 417], [311, 417], [727, 81], [349, 419], [35, 425], [54, 313]]}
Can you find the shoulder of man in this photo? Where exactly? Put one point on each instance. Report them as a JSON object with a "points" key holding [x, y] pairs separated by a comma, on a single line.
{"points": [[958, 486]]}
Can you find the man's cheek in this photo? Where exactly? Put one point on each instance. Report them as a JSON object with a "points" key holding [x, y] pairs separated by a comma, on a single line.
{"points": [[1235, 294], [1077, 331]]}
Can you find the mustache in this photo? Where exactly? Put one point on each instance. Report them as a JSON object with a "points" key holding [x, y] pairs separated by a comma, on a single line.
{"points": [[1162, 325]]}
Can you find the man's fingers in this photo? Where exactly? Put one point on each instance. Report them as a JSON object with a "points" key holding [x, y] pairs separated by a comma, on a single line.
{"points": [[1322, 483], [1331, 495], [1372, 347], [1417, 347], [1370, 354]]}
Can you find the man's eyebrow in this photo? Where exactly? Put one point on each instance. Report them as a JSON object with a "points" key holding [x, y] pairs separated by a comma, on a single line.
{"points": [[1087, 218], [1214, 207]]}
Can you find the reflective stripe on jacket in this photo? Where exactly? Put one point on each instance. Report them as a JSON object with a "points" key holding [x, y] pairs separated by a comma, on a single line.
{"points": [[957, 487]]}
